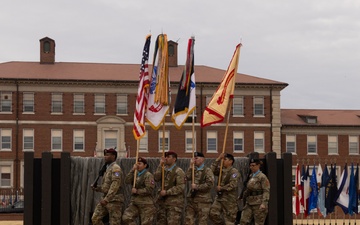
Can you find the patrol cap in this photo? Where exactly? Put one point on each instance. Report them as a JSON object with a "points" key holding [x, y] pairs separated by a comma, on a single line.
{"points": [[229, 156], [198, 154], [171, 153], [112, 151], [143, 160], [256, 161]]}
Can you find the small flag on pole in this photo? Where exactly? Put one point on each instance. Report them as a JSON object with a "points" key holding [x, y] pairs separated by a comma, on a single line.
{"points": [[142, 94], [298, 193], [185, 101], [158, 105], [343, 187], [217, 107]]}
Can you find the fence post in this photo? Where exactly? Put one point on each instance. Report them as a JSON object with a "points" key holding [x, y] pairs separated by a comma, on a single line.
{"points": [[28, 188], [287, 189], [46, 186], [272, 174], [65, 172]]}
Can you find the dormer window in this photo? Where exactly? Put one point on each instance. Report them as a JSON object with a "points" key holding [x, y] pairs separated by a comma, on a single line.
{"points": [[46, 47], [171, 50], [309, 119]]}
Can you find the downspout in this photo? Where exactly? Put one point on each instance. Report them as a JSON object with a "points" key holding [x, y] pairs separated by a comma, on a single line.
{"points": [[271, 120], [17, 137], [201, 110]]}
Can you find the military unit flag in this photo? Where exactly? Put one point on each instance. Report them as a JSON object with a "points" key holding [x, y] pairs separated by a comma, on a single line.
{"points": [[185, 102], [217, 107], [142, 94]]}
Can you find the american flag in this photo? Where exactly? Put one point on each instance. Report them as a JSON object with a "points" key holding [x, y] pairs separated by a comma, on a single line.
{"points": [[142, 96]]}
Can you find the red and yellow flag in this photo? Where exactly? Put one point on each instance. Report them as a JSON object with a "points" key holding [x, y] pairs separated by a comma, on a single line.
{"points": [[217, 107]]}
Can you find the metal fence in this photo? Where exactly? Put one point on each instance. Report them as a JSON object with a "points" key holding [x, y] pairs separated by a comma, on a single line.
{"points": [[11, 198]]}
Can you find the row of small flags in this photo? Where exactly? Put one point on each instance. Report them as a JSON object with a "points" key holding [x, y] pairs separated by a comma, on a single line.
{"points": [[152, 102], [322, 190], [9, 200]]}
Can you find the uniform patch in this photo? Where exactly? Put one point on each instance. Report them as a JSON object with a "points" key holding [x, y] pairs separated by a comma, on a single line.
{"points": [[116, 174], [152, 182], [234, 175]]}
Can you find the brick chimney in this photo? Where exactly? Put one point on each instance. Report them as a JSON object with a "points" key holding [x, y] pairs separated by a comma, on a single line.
{"points": [[47, 51], [173, 56]]}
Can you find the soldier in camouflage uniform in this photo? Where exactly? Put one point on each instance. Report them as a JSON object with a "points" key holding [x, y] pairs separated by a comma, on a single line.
{"points": [[199, 197], [142, 201], [112, 200], [171, 198], [256, 196], [225, 204]]}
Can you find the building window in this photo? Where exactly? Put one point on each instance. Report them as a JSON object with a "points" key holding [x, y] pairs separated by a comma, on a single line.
{"points": [[121, 104], [259, 137], [46, 47], [56, 102], [166, 139], [56, 140], [143, 143], [290, 143], [5, 142], [79, 103], [238, 106], [79, 140], [311, 144], [332, 144], [28, 102], [28, 139], [258, 106], [111, 139], [99, 103], [5, 101], [5, 174], [211, 140], [353, 145], [189, 139], [238, 141]]}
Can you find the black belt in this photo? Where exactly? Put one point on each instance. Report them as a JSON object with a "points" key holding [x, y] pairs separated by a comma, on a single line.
{"points": [[254, 193]]}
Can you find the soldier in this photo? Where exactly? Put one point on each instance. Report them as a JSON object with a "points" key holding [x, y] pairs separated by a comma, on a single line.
{"points": [[112, 200], [171, 198], [199, 197], [142, 201], [256, 196], [225, 203]]}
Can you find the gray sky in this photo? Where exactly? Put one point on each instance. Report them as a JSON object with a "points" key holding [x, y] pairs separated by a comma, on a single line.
{"points": [[313, 45]]}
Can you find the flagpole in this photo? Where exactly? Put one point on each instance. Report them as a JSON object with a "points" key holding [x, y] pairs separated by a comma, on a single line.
{"points": [[193, 149], [225, 136], [163, 155], [136, 159]]}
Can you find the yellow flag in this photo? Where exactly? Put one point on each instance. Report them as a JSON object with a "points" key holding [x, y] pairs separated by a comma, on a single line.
{"points": [[216, 110]]}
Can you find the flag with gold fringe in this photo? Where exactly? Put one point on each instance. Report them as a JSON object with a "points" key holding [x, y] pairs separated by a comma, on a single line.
{"points": [[185, 102], [142, 94], [217, 107], [159, 100]]}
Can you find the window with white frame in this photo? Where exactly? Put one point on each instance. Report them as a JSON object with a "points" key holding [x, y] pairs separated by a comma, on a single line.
{"points": [[332, 144], [28, 139], [259, 138], [79, 103], [122, 104], [238, 106], [353, 145], [238, 141], [5, 141], [56, 102], [143, 143], [111, 138], [79, 140], [311, 144], [189, 139], [259, 106], [6, 175], [291, 143], [28, 102], [211, 140], [56, 140], [99, 103], [166, 139], [5, 101]]}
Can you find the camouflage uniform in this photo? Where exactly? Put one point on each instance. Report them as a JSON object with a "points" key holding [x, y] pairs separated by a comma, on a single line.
{"points": [[111, 187], [226, 203], [200, 203], [257, 192], [171, 206], [142, 203]]}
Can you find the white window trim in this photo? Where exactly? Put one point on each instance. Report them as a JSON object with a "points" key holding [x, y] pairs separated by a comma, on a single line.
{"points": [[307, 145], [186, 137], [62, 140], [263, 142], [160, 135], [337, 145], [11, 164], [23, 145], [207, 142], [143, 139], [243, 144], [286, 141], [83, 132], [5, 149]]}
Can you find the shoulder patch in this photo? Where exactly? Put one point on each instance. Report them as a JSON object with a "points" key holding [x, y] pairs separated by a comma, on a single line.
{"points": [[234, 175], [117, 173]]}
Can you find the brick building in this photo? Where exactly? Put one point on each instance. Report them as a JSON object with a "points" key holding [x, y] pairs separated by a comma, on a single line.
{"points": [[82, 108]]}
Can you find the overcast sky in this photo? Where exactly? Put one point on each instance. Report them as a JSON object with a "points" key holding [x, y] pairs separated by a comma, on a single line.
{"points": [[313, 45]]}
